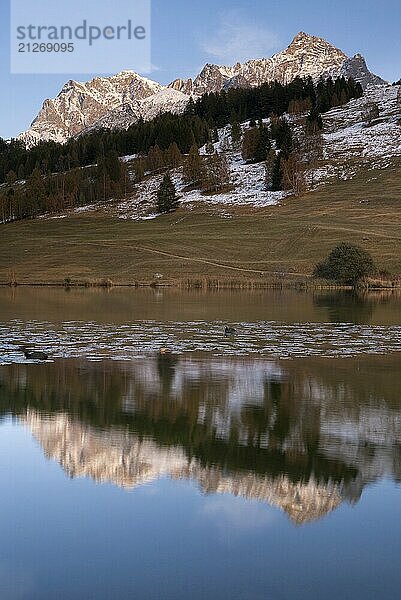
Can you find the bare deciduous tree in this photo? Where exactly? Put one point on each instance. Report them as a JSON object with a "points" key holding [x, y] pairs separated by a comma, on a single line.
{"points": [[311, 145], [293, 173], [193, 170], [217, 173]]}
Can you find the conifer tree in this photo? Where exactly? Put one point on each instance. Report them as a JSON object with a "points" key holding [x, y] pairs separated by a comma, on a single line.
{"points": [[236, 134], [269, 164], [113, 165], [102, 177], [334, 100], [282, 133], [36, 188], [250, 143], [21, 171], [167, 199], [263, 144], [256, 144], [276, 177], [209, 147], [190, 110], [343, 98]]}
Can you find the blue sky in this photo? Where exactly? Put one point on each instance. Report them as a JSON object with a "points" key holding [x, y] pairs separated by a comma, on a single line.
{"points": [[186, 35]]}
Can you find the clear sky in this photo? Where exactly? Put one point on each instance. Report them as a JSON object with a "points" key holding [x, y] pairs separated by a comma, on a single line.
{"points": [[187, 34]]}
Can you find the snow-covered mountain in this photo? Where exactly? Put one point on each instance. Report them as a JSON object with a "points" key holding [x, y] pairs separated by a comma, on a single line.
{"points": [[307, 55], [165, 100], [120, 100], [79, 105]]}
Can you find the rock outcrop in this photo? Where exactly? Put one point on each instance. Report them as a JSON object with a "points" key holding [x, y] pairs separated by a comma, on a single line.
{"points": [[120, 100]]}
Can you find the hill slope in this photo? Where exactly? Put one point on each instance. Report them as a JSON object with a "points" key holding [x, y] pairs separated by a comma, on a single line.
{"points": [[349, 146], [236, 243]]}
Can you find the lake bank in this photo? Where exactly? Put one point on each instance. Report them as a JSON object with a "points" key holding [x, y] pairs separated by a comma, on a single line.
{"points": [[279, 282]]}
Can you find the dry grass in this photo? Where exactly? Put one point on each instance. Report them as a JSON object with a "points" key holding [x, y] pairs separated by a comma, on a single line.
{"points": [[254, 247]]}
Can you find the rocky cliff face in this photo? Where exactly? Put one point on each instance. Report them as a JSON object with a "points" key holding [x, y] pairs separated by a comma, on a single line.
{"points": [[79, 105], [166, 100], [356, 67], [305, 56], [120, 100]]}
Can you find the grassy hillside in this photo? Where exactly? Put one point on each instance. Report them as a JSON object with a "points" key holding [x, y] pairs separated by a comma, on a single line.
{"points": [[204, 242]]}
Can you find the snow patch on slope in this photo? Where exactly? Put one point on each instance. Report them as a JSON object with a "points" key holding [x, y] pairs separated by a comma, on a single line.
{"points": [[248, 181], [165, 100], [350, 144]]}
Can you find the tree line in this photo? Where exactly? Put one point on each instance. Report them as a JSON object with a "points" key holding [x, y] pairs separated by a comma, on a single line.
{"points": [[61, 191], [52, 176]]}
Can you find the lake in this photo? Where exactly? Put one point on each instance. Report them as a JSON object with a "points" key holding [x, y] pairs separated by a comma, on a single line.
{"points": [[263, 465]]}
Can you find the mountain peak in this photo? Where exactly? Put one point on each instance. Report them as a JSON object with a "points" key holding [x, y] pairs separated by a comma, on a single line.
{"points": [[302, 36], [306, 40], [82, 105]]}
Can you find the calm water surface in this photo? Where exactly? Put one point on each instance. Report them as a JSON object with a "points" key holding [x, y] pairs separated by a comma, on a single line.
{"points": [[262, 466]]}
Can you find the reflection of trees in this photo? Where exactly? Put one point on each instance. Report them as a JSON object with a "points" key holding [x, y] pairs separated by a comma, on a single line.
{"points": [[166, 369], [290, 423], [347, 307]]}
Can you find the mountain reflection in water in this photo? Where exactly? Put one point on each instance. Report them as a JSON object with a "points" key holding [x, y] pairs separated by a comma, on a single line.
{"points": [[303, 435]]}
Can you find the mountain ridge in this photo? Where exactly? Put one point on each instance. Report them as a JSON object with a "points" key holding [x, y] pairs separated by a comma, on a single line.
{"points": [[122, 99]]}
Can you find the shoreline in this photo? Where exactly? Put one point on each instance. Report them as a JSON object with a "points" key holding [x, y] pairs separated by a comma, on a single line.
{"points": [[206, 284]]}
